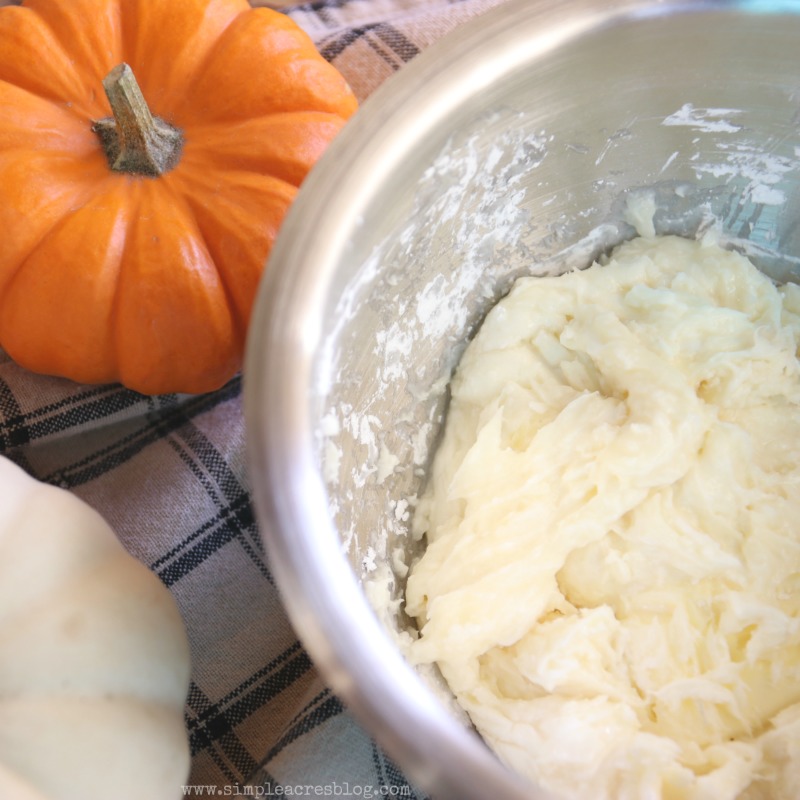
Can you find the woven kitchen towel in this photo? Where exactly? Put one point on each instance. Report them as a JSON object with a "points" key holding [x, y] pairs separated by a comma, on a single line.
{"points": [[169, 475]]}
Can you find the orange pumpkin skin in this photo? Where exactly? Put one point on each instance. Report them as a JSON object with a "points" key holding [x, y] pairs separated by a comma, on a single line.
{"points": [[149, 281]]}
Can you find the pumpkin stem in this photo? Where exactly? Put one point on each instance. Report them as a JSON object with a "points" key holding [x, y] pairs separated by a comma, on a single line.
{"points": [[134, 140]]}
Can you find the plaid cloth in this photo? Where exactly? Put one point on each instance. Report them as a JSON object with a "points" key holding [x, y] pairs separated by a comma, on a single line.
{"points": [[168, 473]]}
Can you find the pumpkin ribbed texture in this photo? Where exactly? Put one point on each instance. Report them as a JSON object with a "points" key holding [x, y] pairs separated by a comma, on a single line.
{"points": [[150, 281]]}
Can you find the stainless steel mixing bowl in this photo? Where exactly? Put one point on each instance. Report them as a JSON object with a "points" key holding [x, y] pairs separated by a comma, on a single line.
{"points": [[526, 142]]}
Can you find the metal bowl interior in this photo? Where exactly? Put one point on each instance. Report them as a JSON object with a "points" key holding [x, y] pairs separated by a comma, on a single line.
{"points": [[526, 142]]}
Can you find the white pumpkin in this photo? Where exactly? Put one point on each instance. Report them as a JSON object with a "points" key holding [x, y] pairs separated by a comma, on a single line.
{"points": [[94, 660]]}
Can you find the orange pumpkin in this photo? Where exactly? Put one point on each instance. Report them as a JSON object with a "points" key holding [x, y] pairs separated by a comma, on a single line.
{"points": [[132, 240]]}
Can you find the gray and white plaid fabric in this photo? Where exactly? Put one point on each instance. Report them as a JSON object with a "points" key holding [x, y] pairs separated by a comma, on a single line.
{"points": [[168, 473]]}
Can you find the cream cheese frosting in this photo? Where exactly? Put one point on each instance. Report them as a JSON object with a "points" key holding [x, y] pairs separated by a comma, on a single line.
{"points": [[611, 580]]}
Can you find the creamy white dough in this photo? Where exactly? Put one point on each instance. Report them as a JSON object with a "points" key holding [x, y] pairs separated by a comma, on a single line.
{"points": [[611, 582]]}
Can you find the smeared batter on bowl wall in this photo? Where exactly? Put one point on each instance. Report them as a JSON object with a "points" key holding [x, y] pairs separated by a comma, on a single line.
{"points": [[611, 584]]}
